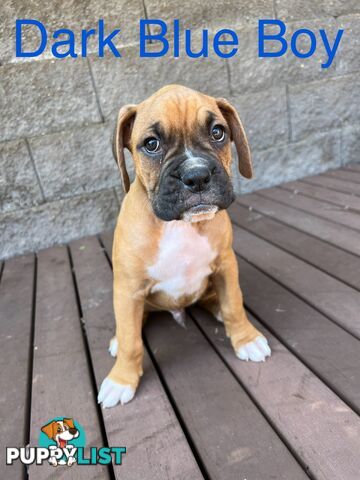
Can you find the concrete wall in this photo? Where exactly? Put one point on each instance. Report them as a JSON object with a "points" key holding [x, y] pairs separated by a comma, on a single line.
{"points": [[58, 180]]}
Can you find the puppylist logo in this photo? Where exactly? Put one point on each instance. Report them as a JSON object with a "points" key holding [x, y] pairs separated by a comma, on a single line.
{"points": [[62, 443]]}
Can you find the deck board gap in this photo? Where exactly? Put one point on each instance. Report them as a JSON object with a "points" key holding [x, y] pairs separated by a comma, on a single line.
{"points": [[31, 355], [2, 265], [28, 399], [108, 258], [76, 290], [253, 399]]}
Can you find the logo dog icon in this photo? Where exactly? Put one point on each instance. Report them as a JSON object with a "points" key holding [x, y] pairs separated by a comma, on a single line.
{"points": [[61, 432]]}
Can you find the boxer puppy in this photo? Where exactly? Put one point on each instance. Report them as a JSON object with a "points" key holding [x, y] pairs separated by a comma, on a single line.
{"points": [[173, 239]]}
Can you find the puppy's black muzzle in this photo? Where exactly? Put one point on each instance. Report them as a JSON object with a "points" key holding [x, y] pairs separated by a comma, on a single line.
{"points": [[186, 182]]}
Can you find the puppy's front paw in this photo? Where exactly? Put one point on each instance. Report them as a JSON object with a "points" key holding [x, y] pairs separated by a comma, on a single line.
{"points": [[257, 350], [111, 393], [113, 347]]}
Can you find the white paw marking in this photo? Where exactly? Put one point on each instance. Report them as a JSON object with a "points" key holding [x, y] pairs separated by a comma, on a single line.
{"points": [[111, 393], [257, 351], [113, 347]]}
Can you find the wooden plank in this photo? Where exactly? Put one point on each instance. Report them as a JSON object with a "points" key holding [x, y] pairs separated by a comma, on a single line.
{"points": [[342, 265], [311, 418], [331, 196], [231, 435], [334, 183], [328, 231], [322, 209], [61, 379], [332, 353], [333, 298], [353, 177], [147, 426], [355, 167], [16, 293]]}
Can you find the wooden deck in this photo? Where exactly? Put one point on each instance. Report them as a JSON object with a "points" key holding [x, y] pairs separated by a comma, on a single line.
{"points": [[199, 411]]}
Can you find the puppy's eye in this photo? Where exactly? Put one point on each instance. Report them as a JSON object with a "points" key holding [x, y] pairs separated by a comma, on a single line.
{"points": [[59, 429], [152, 145], [217, 133]]}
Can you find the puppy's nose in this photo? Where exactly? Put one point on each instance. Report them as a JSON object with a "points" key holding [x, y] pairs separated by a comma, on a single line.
{"points": [[196, 178], [72, 431]]}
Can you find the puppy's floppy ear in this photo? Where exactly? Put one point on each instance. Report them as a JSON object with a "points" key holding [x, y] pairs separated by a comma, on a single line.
{"points": [[69, 422], [49, 429], [121, 140], [237, 136]]}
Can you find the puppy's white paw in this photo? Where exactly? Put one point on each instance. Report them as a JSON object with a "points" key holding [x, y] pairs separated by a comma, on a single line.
{"points": [[257, 350], [111, 393], [113, 347]]}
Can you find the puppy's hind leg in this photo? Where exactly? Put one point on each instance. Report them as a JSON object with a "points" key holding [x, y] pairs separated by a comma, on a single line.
{"points": [[248, 342], [210, 302]]}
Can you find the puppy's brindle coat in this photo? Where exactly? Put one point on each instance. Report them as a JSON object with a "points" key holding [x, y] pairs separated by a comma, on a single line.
{"points": [[174, 214]]}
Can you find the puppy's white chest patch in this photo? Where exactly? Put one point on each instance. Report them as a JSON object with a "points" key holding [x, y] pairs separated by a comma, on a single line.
{"points": [[183, 260]]}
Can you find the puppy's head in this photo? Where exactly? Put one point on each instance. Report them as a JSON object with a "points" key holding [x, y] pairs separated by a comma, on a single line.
{"points": [[61, 431], [180, 142]]}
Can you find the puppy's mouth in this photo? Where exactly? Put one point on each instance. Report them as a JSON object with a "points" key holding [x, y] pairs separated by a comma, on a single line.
{"points": [[190, 191], [62, 443], [199, 213]]}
